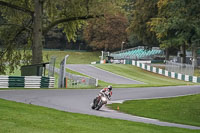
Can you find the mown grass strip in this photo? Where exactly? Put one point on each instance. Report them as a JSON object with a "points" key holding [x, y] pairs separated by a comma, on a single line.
{"points": [[135, 73], [184, 110], [23, 118], [74, 57]]}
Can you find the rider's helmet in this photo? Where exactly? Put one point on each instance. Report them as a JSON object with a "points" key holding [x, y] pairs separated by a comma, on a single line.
{"points": [[110, 87]]}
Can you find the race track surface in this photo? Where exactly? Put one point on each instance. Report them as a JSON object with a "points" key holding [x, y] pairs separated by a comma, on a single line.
{"points": [[79, 101], [101, 74]]}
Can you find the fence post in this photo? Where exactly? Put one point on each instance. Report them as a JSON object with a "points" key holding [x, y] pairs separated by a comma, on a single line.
{"points": [[62, 72], [66, 82], [52, 66], [97, 81]]}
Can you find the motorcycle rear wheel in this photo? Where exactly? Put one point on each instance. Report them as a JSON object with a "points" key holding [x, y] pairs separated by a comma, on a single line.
{"points": [[93, 107], [98, 107]]}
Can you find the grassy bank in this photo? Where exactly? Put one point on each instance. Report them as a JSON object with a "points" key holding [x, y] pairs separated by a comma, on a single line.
{"points": [[185, 110], [23, 118], [135, 73], [74, 57]]}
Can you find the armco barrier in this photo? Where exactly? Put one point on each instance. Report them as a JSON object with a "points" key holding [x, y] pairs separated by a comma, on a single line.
{"points": [[165, 72], [26, 82]]}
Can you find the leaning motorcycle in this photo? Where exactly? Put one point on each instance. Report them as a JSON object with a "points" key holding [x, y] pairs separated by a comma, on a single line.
{"points": [[99, 101]]}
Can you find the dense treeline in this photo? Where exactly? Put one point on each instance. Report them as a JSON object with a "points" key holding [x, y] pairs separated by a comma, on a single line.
{"points": [[96, 25], [170, 24]]}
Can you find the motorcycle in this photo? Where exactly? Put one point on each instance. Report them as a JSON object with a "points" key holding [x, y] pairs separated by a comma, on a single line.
{"points": [[99, 101]]}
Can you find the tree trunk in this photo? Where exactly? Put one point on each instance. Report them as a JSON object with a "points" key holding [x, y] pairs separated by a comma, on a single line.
{"points": [[106, 47], [167, 54], [194, 57], [37, 33], [183, 53]]}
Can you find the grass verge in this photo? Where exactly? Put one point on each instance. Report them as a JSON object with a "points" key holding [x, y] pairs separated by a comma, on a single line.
{"points": [[23, 118], [74, 57], [135, 73], [184, 110]]}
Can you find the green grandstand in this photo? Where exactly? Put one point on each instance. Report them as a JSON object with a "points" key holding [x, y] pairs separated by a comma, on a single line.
{"points": [[137, 53]]}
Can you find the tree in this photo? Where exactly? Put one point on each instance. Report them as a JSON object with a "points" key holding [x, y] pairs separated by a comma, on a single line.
{"points": [[143, 11], [31, 20], [177, 24], [133, 40], [108, 33]]}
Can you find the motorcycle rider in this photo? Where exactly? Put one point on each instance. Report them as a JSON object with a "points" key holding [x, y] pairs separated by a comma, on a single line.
{"points": [[107, 91]]}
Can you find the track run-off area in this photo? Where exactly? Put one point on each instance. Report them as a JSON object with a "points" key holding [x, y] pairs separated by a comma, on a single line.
{"points": [[79, 100]]}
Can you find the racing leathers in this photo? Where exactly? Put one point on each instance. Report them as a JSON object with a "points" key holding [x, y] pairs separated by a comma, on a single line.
{"points": [[107, 92]]}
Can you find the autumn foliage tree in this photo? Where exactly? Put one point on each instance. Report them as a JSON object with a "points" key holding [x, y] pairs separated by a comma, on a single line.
{"points": [[177, 25], [142, 11], [26, 22], [108, 33]]}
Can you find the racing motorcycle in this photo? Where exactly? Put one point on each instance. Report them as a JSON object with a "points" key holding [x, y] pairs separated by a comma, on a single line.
{"points": [[100, 101]]}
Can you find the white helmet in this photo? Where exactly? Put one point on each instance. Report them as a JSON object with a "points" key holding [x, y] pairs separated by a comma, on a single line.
{"points": [[110, 87]]}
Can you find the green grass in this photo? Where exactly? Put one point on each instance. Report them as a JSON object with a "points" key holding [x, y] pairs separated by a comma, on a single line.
{"points": [[184, 110], [23, 118], [76, 73], [74, 57], [135, 73]]}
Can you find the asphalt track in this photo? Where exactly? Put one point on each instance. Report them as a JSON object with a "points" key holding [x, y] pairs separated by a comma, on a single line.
{"points": [[79, 101], [101, 74]]}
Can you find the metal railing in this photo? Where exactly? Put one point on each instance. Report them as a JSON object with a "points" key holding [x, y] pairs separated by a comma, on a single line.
{"points": [[186, 69], [72, 79], [80, 81]]}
